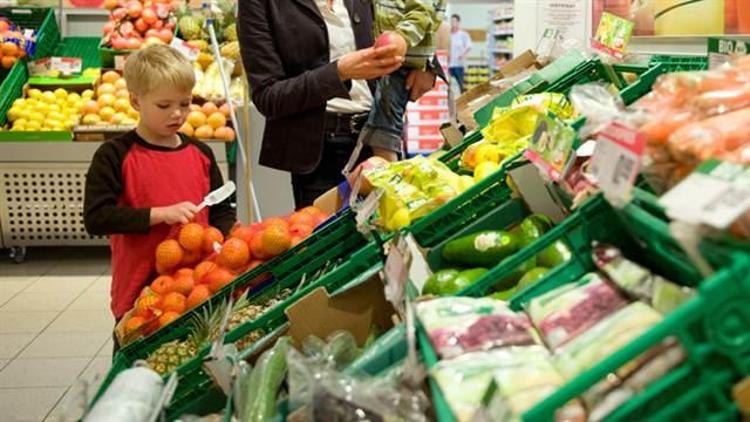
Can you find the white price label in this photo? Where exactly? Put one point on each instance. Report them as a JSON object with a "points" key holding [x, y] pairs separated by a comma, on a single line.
{"points": [[397, 272], [186, 49], [716, 194], [617, 160]]}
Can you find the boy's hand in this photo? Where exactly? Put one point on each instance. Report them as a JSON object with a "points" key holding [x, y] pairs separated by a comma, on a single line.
{"points": [[181, 213]]}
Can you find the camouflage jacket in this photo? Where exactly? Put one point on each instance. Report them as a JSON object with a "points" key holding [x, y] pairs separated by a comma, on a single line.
{"points": [[417, 21]]}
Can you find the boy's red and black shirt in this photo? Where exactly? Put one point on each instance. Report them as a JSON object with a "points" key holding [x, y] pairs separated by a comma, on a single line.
{"points": [[127, 177]]}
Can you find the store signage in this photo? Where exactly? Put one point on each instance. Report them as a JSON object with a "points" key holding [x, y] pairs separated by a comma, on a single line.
{"points": [[715, 194], [616, 160], [613, 35], [721, 51], [64, 65], [187, 50], [551, 146], [566, 17]]}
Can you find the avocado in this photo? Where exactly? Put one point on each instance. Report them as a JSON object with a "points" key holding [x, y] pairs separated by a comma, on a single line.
{"points": [[511, 280], [554, 255], [532, 228], [466, 278], [485, 248], [505, 294], [439, 281]]}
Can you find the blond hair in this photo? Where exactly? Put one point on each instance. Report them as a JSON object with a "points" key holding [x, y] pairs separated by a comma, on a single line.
{"points": [[158, 66]]}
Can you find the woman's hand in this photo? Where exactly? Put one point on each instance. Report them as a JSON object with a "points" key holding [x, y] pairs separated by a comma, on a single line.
{"points": [[369, 63], [419, 82]]}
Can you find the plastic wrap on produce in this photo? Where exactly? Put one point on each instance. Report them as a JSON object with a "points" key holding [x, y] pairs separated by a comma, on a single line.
{"points": [[639, 282], [458, 325], [565, 312], [605, 338], [132, 397]]}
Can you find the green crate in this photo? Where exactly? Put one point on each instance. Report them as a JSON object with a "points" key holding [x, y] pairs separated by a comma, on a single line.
{"points": [[681, 63], [711, 327], [12, 88], [195, 391], [41, 19], [85, 48]]}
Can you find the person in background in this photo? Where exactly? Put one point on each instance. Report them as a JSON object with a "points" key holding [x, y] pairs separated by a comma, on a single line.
{"points": [[460, 47]]}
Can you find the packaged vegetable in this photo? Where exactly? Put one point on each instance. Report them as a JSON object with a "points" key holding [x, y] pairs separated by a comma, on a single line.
{"points": [[132, 396], [565, 312], [458, 325], [605, 338], [524, 376], [638, 282], [711, 138]]}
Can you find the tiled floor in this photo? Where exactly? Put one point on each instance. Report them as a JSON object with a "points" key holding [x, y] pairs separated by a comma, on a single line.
{"points": [[55, 332]]}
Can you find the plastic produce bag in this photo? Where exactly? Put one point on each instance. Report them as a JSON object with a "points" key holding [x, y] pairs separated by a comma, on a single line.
{"points": [[132, 397], [605, 338], [565, 312], [510, 125], [458, 325], [638, 282], [261, 389]]}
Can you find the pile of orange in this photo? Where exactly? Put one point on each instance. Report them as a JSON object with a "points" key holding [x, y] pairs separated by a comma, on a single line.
{"points": [[208, 121], [12, 44], [199, 263]]}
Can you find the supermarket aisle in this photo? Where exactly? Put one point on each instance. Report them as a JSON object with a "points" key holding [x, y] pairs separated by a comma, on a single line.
{"points": [[55, 329]]}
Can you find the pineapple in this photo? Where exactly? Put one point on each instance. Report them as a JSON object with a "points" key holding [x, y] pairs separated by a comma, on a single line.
{"points": [[169, 356], [244, 312]]}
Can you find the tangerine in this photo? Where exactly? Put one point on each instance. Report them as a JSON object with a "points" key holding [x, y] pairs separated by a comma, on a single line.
{"points": [[218, 278], [200, 294], [134, 324], [212, 235], [244, 233], [256, 246], [301, 218], [202, 269], [183, 283], [196, 118], [208, 108], [276, 239], [216, 120], [174, 302], [162, 285], [169, 254], [168, 317], [301, 230], [224, 133], [191, 237], [234, 254]]}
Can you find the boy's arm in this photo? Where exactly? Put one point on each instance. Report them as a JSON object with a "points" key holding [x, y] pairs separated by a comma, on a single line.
{"points": [[420, 17], [101, 213]]}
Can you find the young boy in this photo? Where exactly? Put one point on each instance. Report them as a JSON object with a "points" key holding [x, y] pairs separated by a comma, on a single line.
{"points": [[150, 178], [412, 25]]}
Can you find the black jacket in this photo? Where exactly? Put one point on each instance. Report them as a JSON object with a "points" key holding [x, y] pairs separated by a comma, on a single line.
{"points": [[285, 51]]}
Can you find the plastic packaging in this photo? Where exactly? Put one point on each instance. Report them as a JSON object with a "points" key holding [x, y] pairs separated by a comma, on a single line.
{"points": [[132, 397], [638, 282], [565, 312], [262, 387], [458, 325]]}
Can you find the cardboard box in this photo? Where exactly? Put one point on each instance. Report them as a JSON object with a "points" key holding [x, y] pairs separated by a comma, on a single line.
{"points": [[477, 97], [357, 310]]}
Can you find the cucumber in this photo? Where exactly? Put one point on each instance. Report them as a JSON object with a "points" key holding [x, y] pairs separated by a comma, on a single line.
{"points": [[554, 255], [483, 249], [438, 281], [532, 228], [466, 278], [272, 372]]}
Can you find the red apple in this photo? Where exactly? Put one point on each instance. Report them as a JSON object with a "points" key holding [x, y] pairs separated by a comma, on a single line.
{"points": [[119, 13], [149, 16], [133, 44], [152, 33], [108, 27], [141, 25], [127, 28], [385, 39], [165, 35], [159, 24], [134, 9]]}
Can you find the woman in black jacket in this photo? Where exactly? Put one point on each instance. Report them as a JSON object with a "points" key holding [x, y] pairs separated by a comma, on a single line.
{"points": [[307, 62]]}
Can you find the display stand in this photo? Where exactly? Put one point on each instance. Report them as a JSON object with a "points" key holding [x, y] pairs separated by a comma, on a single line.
{"points": [[41, 193]]}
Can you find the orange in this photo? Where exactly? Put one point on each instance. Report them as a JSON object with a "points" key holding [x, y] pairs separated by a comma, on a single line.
{"points": [[106, 99], [120, 84], [191, 237], [106, 88], [8, 61], [202, 269], [195, 107], [122, 104], [216, 120], [9, 49], [183, 283], [199, 294], [110, 77], [208, 108], [190, 258], [244, 233], [168, 254], [276, 239], [256, 246], [211, 235], [124, 94], [224, 109], [196, 118], [224, 133], [90, 107], [168, 317], [234, 254], [186, 129], [133, 324], [174, 302], [218, 278], [301, 218], [296, 240], [204, 132], [162, 285], [144, 304], [301, 230], [275, 221], [310, 210], [106, 113]]}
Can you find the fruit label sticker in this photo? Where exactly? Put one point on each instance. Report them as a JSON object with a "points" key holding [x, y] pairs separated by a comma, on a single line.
{"points": [[616, 161], [721, 51], [64, 65], [551, 146], [187, 50], [715, 194], [613, 35]]}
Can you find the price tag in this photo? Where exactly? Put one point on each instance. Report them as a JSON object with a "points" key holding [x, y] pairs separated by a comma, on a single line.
{"points": [[722, 50], [551, 146], [548, 42], [366, 210], [397, 272], [64, 65], [120, 60], [187, 50], [616, 161], [613, 35], [715, 194]]}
